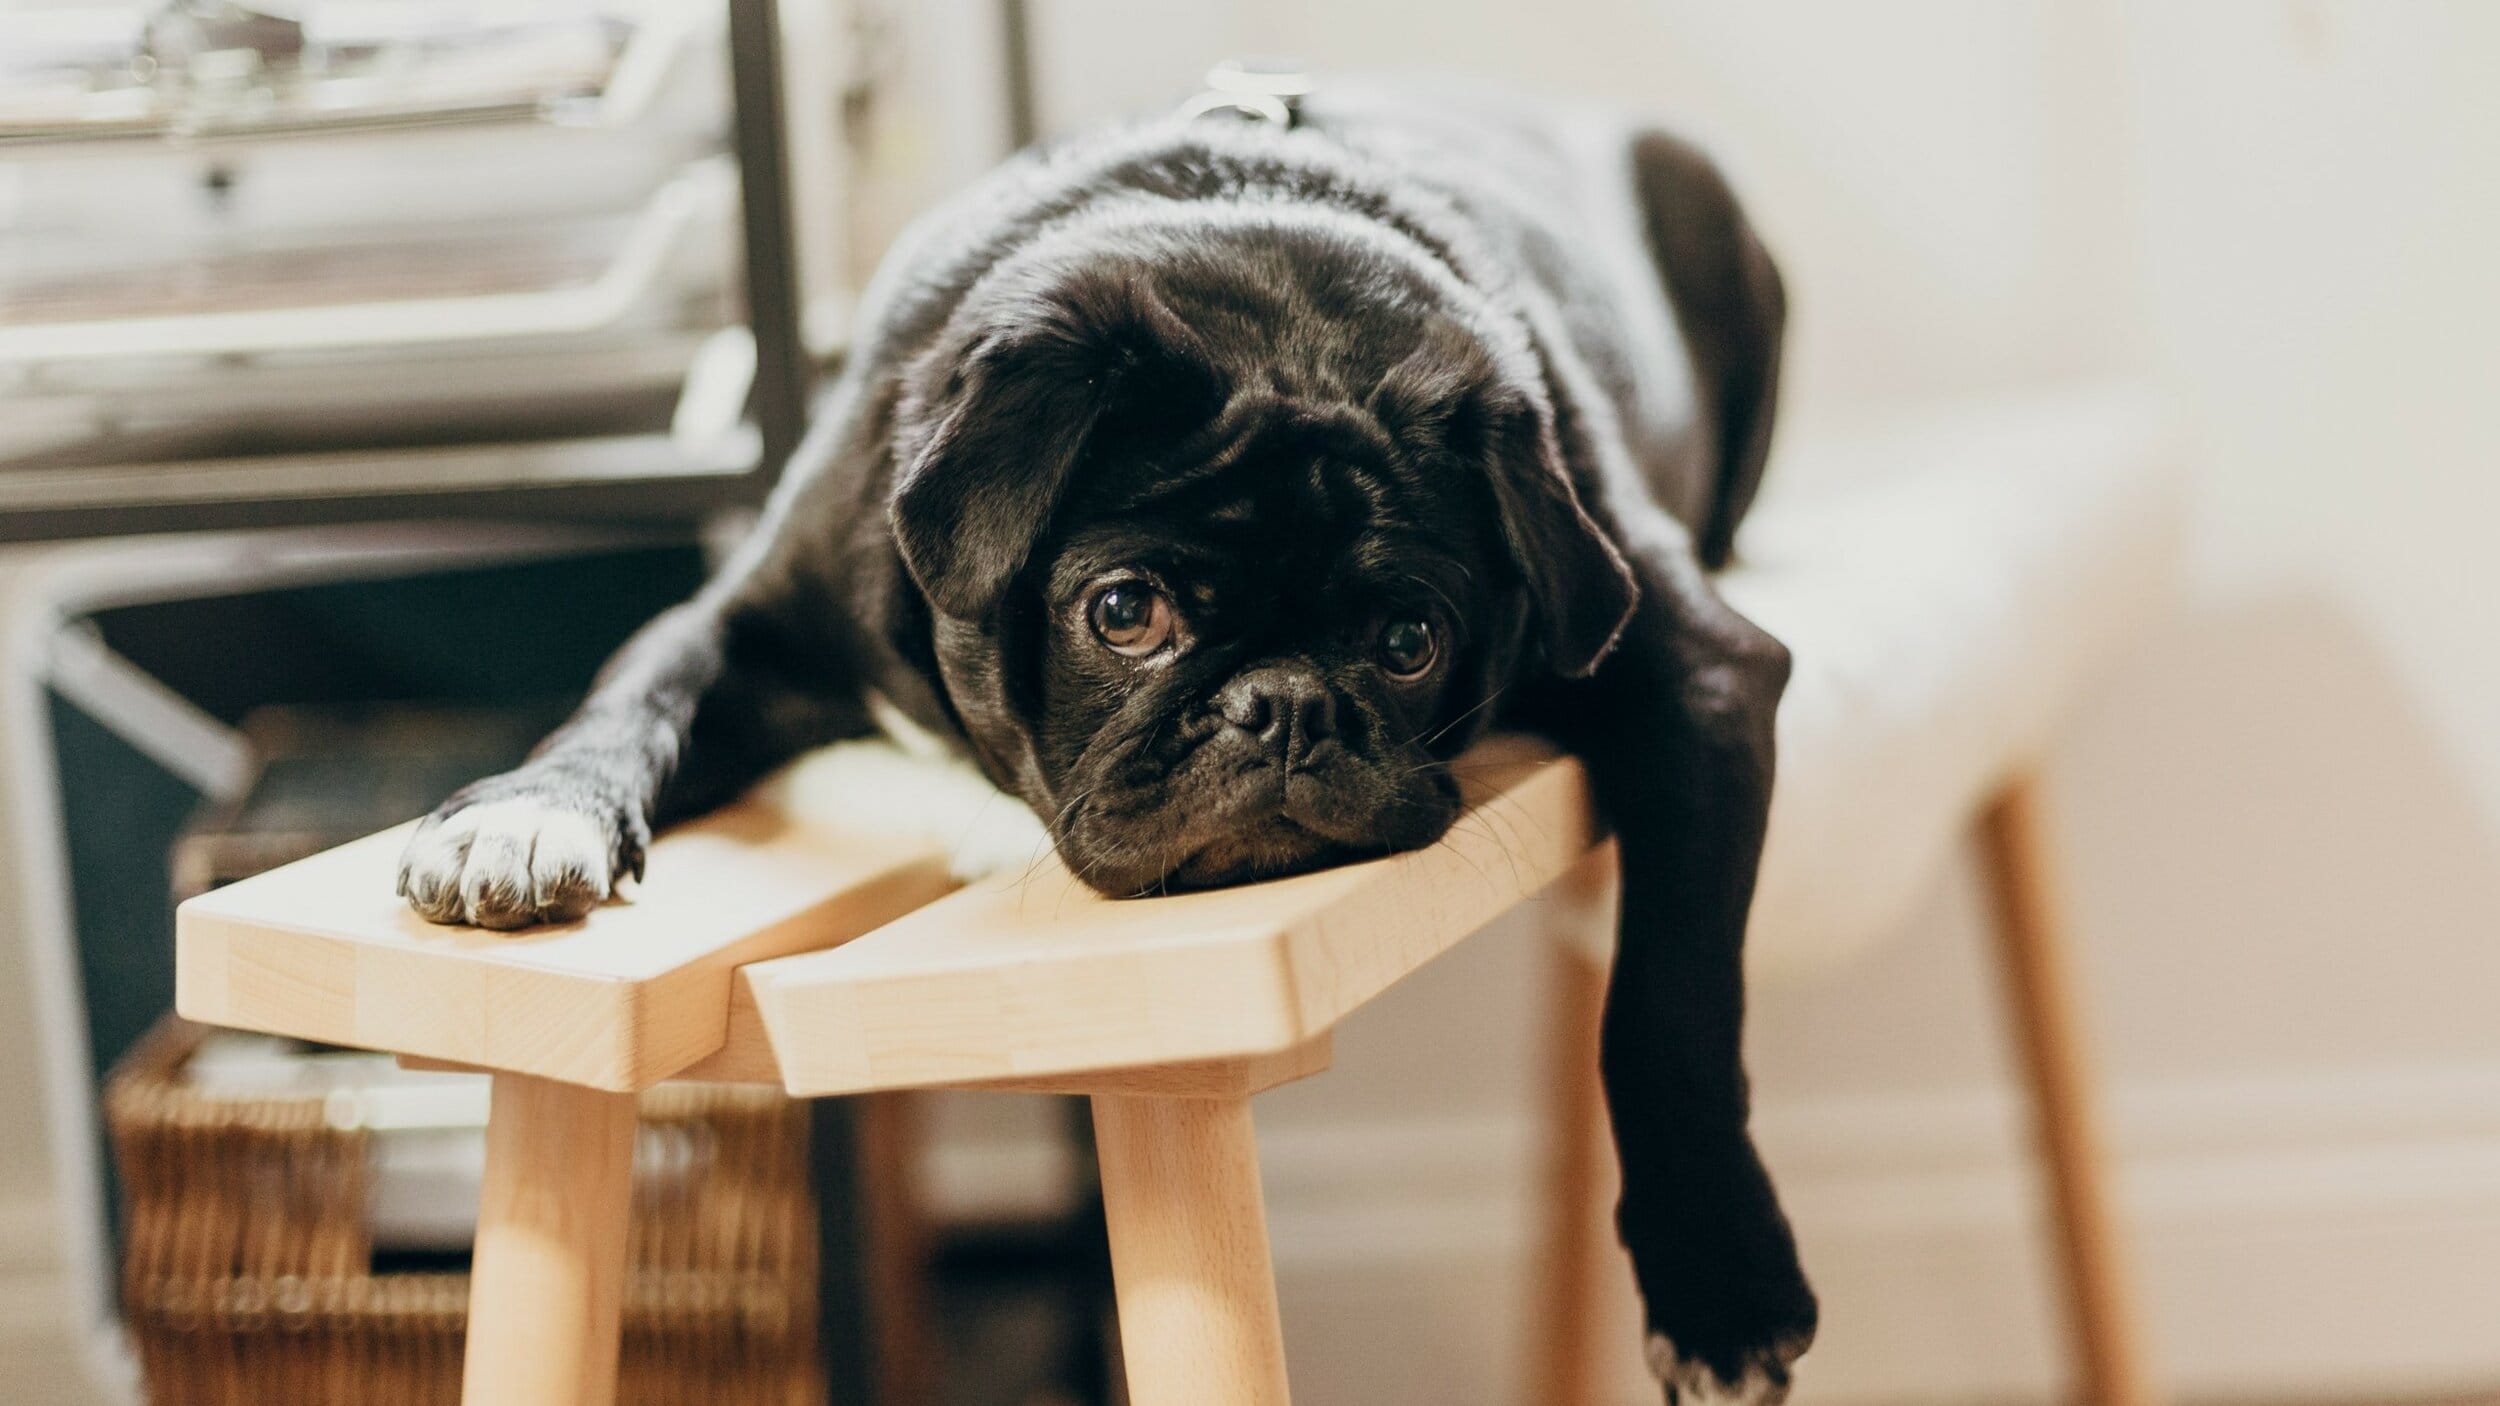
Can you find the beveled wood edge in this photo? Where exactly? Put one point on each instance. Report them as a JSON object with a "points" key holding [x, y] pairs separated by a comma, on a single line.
{"points": [[599, 1051], [1213, 1078], [1236, 1077], [803, 1020], [253, 965], [746, 1057]]}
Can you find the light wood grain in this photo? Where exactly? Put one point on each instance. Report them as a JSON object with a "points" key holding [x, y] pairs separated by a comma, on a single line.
{"points": [[1563, 1340], [548, 1281], [1040, 977], [746, 1057], [1189, 1252], [1211, 1078], [890, 1133], [324, 950], [2102, 1325]]}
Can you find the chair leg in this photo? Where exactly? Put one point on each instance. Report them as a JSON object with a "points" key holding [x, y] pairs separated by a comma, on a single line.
{"points": [[546, 1288], [891, 1136], [1189, 1256], [2040, 987], [1562, 1350]]}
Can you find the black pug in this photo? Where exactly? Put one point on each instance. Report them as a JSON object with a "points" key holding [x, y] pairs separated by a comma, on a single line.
{"points": [[1214, 483]]}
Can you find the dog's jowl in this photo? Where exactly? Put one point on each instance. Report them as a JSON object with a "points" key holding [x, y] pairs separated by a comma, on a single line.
{"points": [[1213, 482]]}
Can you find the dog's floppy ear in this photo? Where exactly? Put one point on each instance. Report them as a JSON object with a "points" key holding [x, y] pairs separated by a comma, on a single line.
{"points": [[1454, 390], [1580, 585], [1049, 378]]}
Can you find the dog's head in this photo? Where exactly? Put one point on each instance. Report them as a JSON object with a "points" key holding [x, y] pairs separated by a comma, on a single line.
{"points": [[1232, 537]]}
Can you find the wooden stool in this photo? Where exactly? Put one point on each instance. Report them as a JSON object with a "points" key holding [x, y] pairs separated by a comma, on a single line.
{"points": [[769, 949], [1942, 615]]}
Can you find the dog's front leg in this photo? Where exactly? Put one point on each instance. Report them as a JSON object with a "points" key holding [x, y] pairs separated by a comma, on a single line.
{"points": [[1675, 727], [697, 705]]}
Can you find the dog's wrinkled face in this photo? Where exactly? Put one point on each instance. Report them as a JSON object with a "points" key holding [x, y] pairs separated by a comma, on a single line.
{"points": [[1254, 669], [1225, 542]]}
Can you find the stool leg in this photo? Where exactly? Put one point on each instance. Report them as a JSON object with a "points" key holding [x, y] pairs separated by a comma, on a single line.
{"points": [[891, 1136], [546, 1288], [1189, 1256], [2040, 987], [1562, 1351]]}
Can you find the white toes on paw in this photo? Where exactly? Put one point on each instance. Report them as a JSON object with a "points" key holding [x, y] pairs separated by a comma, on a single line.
{"points": [[1692, 1383], [507, 864]]}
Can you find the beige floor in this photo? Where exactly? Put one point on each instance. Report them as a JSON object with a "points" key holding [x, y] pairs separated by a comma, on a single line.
{"points": [[43, 1374]]}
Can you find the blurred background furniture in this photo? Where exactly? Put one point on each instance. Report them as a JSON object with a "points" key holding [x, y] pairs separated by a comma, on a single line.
{"points": [[303, 263], [306, 263], [140, 670], [274, 1254]]}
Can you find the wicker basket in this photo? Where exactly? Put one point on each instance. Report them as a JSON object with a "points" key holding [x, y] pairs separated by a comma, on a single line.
{"points": [[248, 1277]]}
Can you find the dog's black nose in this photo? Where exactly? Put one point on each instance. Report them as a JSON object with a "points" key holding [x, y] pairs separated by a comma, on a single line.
{"points": [[1288, 708]]}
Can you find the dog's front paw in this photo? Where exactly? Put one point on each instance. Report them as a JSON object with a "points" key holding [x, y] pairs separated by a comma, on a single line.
{"points": [[1762, 1375], [507, 854], [1729, 1310]]}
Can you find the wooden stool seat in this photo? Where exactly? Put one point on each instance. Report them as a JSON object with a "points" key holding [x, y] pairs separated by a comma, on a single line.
{"points": [[1036, 981], [324, 949], [897, 983]]}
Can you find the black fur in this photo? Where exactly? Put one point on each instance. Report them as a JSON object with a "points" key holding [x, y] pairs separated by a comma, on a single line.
{"points": [[1505, 373]]}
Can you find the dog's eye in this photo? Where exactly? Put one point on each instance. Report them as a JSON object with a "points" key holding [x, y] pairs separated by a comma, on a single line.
{"points": [[1407, 647], [1133, 618]]}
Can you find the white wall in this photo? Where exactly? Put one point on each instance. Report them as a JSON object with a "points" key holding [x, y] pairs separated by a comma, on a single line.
{"points": [[2281, 815]]}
